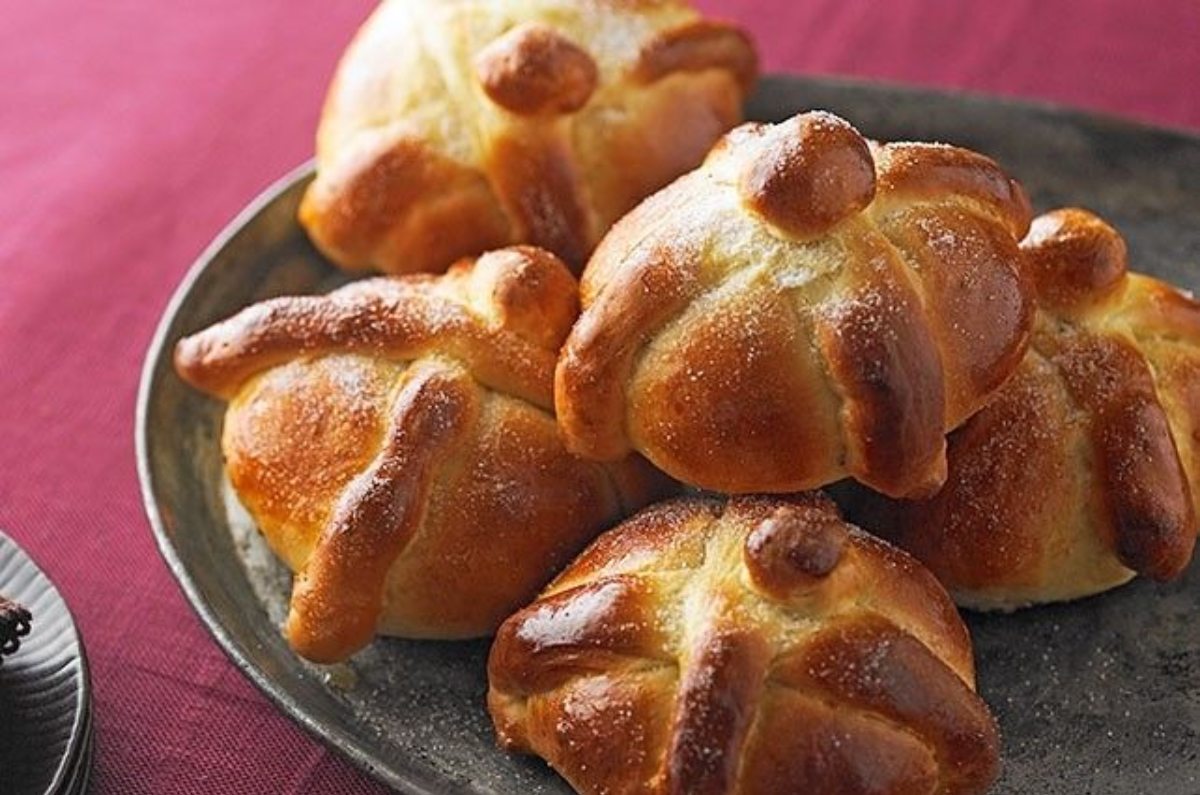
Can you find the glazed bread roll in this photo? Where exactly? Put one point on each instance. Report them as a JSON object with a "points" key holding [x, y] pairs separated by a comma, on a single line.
{"points": [[804, 307], [757, 646], [457, 126], [1085, 469], [395, 441]]}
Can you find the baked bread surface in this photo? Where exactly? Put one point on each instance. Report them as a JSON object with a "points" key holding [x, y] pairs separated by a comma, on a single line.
{"points": [[804, 307], [1085, 469], [457, 126], [395, 441], [759, 645]]}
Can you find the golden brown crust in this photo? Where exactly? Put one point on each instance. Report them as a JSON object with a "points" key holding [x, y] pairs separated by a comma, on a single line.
{"points": [[535, 181], [867, 663], [810, 172], [524, 290], [840, 752], [627, 163], [1150, 499], [725, 675], [317, 429], [916, 171], [986, 501], [1073, 257], [534, 69], [801, 291], [1082, 471], [848, 670], [336, 598], [794, 549], [886, 365], [695, 46], [745, 445], [395, 444], [455, 127], [966, 270], [400, 201], [600, 353], [508, 336]]}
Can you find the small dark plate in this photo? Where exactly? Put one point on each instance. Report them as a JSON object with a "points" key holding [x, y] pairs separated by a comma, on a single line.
{"points": [[45, 693], [1101, 696]]}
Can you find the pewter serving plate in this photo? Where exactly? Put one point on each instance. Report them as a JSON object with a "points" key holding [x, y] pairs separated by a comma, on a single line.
{"points": [[1101, 696]]}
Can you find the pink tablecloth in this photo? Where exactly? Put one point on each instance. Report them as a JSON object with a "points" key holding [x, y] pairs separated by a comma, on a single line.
{"points": [[131, 131]]}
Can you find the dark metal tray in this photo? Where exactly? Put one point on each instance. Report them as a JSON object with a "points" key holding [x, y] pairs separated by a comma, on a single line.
{"points": [[1101, 696]]}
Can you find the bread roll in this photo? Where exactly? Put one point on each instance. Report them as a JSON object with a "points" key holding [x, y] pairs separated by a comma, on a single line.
{"points": [[457, 126], [1085, 469], [395, 441], [804, 307], [759, 645]]}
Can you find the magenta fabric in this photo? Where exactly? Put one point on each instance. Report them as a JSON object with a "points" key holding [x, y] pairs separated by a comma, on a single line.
{"points": [[130, 132]]}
